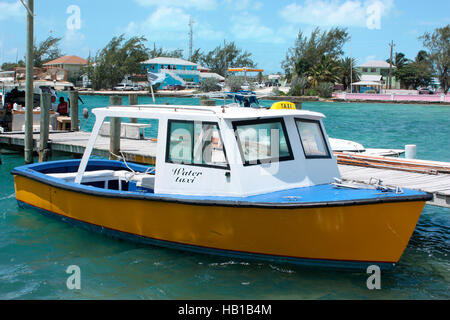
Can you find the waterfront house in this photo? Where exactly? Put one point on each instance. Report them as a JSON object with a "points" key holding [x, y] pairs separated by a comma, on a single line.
{"points": [[72, 64], [375, 77], [177, 71]]}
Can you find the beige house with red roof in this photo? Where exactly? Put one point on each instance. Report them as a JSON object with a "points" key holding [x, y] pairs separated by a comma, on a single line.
{"points": [[72, 64]]}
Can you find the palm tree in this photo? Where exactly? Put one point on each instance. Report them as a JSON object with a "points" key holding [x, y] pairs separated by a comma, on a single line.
{"points": [[326, 71], [422, 56], [399, 60], [348, 72]]}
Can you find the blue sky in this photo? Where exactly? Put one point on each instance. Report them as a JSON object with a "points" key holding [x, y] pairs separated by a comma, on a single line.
{"points": [[264, 28]]}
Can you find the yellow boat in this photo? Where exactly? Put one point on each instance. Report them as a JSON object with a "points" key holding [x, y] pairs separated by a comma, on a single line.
{"points": [[239, 182]]}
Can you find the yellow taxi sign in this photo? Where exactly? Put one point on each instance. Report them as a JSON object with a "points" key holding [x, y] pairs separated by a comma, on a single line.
{"points": [[286, 105]]}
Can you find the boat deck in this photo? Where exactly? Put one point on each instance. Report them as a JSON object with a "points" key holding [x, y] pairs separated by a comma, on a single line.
{"points": [[54, 173]]}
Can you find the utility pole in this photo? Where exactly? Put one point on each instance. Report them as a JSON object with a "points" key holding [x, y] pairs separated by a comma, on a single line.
{"points": [[29, 101], [351, 66], [390, 64], [225, 58], [191, 37]]}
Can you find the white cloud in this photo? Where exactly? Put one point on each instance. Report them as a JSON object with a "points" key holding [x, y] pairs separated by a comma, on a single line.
{"points": [[245, 4], [11, 10], [206, 32], [356, 13], [197, 4], [164, 23], [74, 42], [73, 38], [171, 24], [249, 27]]}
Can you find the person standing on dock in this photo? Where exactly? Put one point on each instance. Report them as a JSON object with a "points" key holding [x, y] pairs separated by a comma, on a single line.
{"points": [[54, 104], [63, 107]]}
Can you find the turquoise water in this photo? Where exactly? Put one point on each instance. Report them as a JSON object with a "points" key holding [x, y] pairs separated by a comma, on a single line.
{"points": [[35, 251]]}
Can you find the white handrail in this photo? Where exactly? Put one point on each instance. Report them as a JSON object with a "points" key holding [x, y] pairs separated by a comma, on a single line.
{"points": [[165, 107]]}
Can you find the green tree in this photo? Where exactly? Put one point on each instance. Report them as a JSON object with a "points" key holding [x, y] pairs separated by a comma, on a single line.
{"points": [[399, 60], [46, 51], [308, 52], [209, 84], [119, 58], [9, 66], [260, 77], [327, 70], [417, 73], [196, 56], [438, 45], [234, 83], [161, 52], [422, 56], [414, 75], [348, 72], [226, 56], [325, 89], [298, 86]]}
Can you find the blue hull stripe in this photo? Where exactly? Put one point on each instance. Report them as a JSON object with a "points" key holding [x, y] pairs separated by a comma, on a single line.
{"points": [[317, 263], [305, 197]]}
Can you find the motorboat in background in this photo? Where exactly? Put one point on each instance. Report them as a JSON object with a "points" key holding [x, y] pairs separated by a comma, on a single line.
{"points": [[347, 146], [12, 103], [12, 108]]}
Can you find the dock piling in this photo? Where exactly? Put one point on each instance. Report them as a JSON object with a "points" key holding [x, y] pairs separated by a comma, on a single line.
{"points": [[133, 100], [29, 101], [44, 126], [205, 101], [410, 151], [114, 133], [73, 110]]}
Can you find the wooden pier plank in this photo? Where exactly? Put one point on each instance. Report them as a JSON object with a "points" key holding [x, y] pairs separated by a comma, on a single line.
{"points": [[438, 184]]}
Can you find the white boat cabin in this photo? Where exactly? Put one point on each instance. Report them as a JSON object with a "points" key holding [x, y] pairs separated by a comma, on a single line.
{"points": [[227, 151]]}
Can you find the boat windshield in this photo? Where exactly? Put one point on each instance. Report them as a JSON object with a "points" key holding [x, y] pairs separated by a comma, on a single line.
{"points": [[263, 141], [195, 143], [312, 139]]}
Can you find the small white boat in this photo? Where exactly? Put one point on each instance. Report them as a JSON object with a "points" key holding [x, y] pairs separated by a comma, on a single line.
{"points": [[347, 146]]}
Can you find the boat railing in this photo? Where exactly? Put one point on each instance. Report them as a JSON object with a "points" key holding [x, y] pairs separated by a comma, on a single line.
{"points": [[169, 107]]}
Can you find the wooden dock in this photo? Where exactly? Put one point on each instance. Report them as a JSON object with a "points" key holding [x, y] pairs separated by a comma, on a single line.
{"points": [[437, 184], [140, 151], [428, 176]]}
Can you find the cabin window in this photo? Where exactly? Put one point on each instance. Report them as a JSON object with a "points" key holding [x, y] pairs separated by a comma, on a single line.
{"points": [[312, 138], [263, 141], [195, 143]]}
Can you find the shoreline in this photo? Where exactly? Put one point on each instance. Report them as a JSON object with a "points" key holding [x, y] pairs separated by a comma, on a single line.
{"points": [[443, 104], [181, 94], [294, 99]]}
